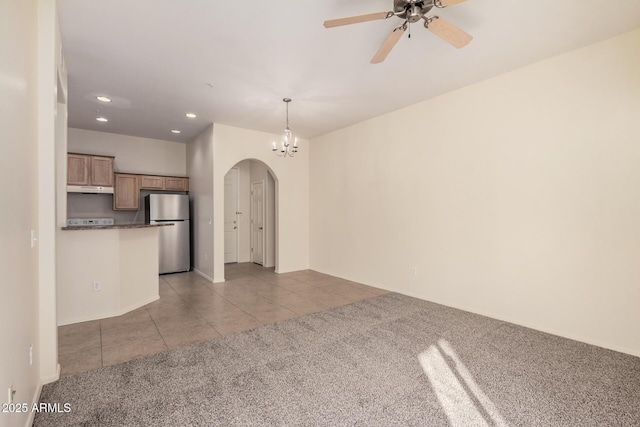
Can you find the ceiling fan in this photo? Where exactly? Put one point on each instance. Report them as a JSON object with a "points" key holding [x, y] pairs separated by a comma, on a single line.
{"points": [[411, 11]]}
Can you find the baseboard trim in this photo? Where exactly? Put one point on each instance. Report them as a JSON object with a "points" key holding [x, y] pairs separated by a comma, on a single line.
{"points": [[38, 391], [574, 337], [138, 305], [51, 378], [34, 400], [203, 275], [597, 343], [112, 314]]}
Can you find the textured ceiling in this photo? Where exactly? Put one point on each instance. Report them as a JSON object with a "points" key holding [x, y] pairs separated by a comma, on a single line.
{"points": [[233, 62]]}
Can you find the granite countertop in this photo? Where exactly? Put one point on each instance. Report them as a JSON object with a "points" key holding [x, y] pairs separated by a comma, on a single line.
{"points": [[113, 227]]}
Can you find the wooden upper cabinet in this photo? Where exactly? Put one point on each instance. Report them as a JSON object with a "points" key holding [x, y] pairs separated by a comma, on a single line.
{"points": [[176, 184], [168, 183], [78, 169], [102, 171], [126, 192], [150, 182], [84, 169]]}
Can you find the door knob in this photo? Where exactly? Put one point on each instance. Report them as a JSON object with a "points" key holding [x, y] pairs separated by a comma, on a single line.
{"points": [[235, 226], [259, 228]]}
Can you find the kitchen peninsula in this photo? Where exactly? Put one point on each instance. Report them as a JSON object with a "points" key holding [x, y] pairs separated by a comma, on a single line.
{"points": [[107, 258], [113, 270]]}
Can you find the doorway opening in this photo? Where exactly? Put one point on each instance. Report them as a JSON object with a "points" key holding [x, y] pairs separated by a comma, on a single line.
{"points": [[250, 209]]}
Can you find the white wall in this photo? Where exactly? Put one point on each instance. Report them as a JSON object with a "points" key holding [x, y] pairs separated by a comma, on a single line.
{"points": [[29, 42], [18, 210], [132, 154], [52, 123], [232, 145], [516, 197], [200, 171]]}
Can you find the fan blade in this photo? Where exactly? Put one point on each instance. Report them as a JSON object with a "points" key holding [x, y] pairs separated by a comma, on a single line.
{"points": [[450, 2], [355, 19], [388, 44], [449, 32]]}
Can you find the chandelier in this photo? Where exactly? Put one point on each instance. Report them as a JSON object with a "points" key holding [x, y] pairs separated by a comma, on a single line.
{"points": [[286, 148]]}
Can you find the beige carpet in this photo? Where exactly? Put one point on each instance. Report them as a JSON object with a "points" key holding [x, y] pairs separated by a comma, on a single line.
{"points": [[389, 360]]}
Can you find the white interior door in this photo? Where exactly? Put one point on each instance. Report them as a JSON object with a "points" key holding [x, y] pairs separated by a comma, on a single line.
{"points": [[231, 216], [257, 222]]}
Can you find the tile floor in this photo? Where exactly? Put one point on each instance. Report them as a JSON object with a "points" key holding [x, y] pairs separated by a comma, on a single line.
{"points": [[192, 309]]}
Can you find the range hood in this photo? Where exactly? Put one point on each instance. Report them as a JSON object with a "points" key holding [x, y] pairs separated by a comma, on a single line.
{"points": [[93, 189]]}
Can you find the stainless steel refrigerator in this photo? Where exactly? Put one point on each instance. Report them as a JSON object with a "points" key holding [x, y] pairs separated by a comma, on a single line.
{"points": [[173, 243]]}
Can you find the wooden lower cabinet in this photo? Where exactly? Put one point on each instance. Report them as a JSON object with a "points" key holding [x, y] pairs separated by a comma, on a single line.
{"points": [[126, 192]]}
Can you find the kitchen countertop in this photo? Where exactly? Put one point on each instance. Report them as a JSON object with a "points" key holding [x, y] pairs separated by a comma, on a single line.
{"points": [[113, 227]]}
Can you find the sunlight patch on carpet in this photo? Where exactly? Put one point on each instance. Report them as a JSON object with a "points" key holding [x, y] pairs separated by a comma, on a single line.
{"points": [[459, 395]]}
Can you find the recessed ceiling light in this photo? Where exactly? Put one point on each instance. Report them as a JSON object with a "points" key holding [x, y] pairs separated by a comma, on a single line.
{"points": [[191, 115], [102, 119], [175, 131], [103, 98]]}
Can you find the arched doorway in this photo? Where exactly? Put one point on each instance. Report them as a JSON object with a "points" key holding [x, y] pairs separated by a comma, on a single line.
{"points": [[250, 210]]}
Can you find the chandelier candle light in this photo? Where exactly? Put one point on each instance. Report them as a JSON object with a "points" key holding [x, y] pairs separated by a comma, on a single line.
{"points": [[287, 149]]}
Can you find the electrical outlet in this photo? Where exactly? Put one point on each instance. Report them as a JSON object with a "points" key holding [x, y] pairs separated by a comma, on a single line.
{"points": [[414, 270], [10, 393], [97, 286], [30, 354], [33, 239]]}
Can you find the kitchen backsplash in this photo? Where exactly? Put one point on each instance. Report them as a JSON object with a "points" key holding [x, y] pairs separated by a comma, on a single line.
{"points": [[81, 205]]}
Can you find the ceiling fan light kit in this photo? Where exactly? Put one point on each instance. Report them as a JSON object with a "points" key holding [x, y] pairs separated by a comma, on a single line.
{"points": [[411, 11]]}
